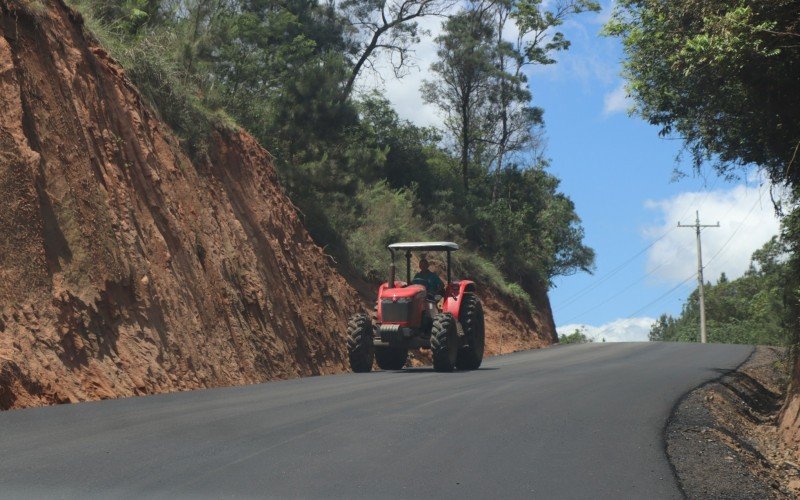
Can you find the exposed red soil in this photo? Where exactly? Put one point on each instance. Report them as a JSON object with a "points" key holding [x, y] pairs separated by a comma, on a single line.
{"points": [[126, 268], [789, 422], [513, 327]]}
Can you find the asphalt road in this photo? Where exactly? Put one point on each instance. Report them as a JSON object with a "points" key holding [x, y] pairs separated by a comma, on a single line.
{"points": [[580, 421]]}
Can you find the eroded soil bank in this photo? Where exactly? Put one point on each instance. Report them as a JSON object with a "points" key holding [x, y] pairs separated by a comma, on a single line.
{"points": [[127, 268]]}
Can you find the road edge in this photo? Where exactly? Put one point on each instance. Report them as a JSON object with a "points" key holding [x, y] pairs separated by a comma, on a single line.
{"points": [[673, 412]]}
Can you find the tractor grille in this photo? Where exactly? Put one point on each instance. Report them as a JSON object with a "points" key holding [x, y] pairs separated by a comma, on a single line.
{"points": [[396, 312]]}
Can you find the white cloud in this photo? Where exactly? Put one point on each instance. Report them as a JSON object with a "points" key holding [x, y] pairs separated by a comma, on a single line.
{"points": [[616, 101], [620, 330], [747, 220]]}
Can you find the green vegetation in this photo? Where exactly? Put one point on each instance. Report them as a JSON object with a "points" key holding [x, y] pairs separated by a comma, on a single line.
{"points": [[576, 337], [721, 74], [361, 176], [747, 310]]}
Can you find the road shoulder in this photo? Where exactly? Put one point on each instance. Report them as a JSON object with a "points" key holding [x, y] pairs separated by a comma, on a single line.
{"points": [[722, 440]]}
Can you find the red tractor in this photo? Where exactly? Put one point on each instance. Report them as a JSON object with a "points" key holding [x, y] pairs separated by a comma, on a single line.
{"points": [[409, 315]]}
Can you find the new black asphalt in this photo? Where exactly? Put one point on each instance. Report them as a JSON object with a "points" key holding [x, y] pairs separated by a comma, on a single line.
{"points": [[583, 421]]}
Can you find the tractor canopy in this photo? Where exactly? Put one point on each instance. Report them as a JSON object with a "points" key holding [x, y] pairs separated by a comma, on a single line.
{"points": [[425, 246], [421, 246]]}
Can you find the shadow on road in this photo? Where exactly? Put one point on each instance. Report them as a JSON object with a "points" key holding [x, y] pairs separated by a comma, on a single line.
{"points": [[428, 369]]}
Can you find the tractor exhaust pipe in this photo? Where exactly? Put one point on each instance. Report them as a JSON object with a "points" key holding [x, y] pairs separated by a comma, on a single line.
{"points": [[392, 272]]}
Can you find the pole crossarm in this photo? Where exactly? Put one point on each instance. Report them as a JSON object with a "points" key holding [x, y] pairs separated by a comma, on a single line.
{"points": [[697, 226]]}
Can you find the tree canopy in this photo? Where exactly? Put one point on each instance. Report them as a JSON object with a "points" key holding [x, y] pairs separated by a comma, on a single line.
{"points": [[361, 176], [720, 74]]}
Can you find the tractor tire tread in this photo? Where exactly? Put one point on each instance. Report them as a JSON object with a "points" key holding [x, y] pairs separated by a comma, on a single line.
{"points": [[470, 356], [359, 343], [444, 325]]}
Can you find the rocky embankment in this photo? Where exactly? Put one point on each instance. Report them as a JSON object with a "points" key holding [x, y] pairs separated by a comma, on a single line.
{"points": [[127, 267]]}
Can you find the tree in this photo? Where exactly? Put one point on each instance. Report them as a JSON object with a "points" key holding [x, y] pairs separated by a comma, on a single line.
{"points": [[748, 310], [481, 86], [662, 329], [357, 173], [385, 25], [128, 16], [464, 81], [578, 336], [535, 43], [720, 74]]}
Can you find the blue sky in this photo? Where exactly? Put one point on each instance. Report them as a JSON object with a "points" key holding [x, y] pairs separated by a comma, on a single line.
{"points": [[619, 173]]}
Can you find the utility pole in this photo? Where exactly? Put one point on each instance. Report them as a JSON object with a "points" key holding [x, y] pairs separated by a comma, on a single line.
{"points": [[697, 227]]}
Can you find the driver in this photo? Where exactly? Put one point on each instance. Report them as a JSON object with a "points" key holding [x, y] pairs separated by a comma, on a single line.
{"points": [[432, 282]]}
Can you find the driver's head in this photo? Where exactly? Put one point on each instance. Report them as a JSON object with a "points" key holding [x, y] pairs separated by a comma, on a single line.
{"points": [[423, 265]]}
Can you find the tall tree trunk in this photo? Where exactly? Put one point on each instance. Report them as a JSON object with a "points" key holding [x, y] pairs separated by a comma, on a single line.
{"points": [[465, 143], [368, 50], [501, 147]]}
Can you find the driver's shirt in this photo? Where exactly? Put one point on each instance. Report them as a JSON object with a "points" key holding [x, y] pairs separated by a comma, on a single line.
{"points": [[432, 281]]}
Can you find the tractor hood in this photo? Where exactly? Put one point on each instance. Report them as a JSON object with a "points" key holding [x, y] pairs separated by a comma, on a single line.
{"points": [[401, 293]]}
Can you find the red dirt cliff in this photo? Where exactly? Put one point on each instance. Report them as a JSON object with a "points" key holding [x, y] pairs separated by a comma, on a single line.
{"points": [[125, 267], [789, 419]]}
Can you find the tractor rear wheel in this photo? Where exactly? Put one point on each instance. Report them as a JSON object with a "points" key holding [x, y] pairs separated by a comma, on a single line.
{"points": [[391, 358], [471, 316], [359, 343], [444, 342]]}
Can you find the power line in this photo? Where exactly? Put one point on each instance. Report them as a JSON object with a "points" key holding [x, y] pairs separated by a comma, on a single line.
{"points": [[592, 286], [676, 287], [663, 296], [583, 292], [609, 299], [652, 302], [628, 287], [741, 224]]}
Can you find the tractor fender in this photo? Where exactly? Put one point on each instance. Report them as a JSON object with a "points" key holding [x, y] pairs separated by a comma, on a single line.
{"points": [[454, 295]]}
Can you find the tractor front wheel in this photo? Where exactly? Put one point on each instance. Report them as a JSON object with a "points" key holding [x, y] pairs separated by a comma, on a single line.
{"points": [[471, 355], [359, 343], [391, 358], [444, 342]]}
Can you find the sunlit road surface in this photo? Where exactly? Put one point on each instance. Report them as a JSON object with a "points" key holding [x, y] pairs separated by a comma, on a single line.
{"points": [[581, 421]]}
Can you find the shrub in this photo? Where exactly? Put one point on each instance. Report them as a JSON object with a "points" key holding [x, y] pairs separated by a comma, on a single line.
{"points": [[576, 337]]}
